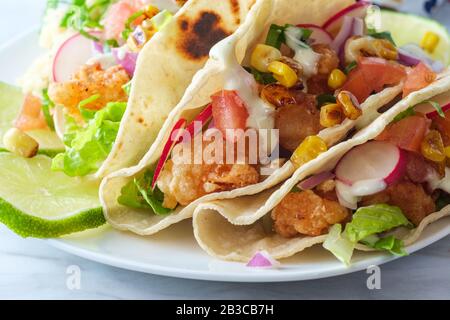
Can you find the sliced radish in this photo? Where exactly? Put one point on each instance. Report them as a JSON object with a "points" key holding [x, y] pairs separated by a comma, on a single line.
{"points": [[202, 119], [71, 55], [314, 181], [174, 138], [357, 10], [372, 162], [319, 35], [345, 196], [427, 109]]}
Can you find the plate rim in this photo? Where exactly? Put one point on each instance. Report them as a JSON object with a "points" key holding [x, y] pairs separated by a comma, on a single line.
{"points": [[256, 277]]}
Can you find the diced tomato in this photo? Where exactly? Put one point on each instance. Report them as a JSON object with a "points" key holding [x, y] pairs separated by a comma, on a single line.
{"points": [[418, 78], [118, 15], [31, 116], [229, 112], [373, 75], [443, 126], [407, 133]]}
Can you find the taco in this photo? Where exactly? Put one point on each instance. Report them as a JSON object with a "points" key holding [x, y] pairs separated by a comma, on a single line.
{"points": [[272, 74], [377, 191], [113, 63]]}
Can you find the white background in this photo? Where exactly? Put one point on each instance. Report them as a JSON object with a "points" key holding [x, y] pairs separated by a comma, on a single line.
{"points": [[31, 269]]}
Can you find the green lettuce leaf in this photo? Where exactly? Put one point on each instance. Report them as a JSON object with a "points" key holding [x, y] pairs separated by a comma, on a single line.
{"points": [[339, 245], [375, 219], [89, 146], [138, 194]]}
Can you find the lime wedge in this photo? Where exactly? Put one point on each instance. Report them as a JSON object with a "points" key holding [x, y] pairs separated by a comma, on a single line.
{"points": [[408, 28], [10, 103], [37, 202]]}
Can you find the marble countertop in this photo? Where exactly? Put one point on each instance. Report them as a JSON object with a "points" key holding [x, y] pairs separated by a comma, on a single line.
{"points": [[31, 269]]}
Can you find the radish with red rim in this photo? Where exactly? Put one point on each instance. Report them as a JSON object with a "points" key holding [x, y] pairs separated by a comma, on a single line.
{"points": [[357, 10], [174, 139], [372, 161], [319, 35], [71, 55]]}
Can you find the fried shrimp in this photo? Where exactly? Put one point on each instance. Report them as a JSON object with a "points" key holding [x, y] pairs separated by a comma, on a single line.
{"points": [[415, 203], [306, 213], [185, 181], [90, 80]]}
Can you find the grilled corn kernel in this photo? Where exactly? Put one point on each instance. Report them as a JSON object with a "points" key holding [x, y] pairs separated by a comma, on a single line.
{"points": [[283, 73], [262, 56], [433, 147], [336, 79], [20, 143], [331, 115], [385, 49], [447, 152], [350, 110], [430, 41], [308, 150], [151, 11]]}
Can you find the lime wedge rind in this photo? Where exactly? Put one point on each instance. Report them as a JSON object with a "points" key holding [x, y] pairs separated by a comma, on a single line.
{"points": [[26, 225]]}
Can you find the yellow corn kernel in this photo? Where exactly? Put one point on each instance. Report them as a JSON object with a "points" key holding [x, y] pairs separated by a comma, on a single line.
{"points": [[331, 115], [20, 143], [433, 147], [447, 152], [385, 49], [283, 73], [308, 150], [151, 11], [262, 56], [350, 110], [336, 79], [430, 41]]}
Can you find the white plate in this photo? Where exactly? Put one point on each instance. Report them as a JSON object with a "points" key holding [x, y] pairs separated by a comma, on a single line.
{"points": [[174, 252]]}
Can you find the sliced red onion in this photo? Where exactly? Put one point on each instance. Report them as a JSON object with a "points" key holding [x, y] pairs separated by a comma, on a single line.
{"points": [[126, 59], [263, 260], [97, 47], [174, 138], [345, 33], [411, 55], [358, 27], [314, 181]]}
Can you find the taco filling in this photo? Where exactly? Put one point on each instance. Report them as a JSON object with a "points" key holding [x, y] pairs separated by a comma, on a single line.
{"points": [[301, 83], [395, 180], [80, 87]]}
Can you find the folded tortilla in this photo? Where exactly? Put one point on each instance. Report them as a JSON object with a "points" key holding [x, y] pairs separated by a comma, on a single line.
{"points": [[164, 70], [225, 57], [235, 230]]}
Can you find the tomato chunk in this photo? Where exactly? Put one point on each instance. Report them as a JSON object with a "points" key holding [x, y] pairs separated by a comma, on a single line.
{"points": [[31, 116], [373, 75], [407, 133], [418, 78], [229, 112], [118, 15]]}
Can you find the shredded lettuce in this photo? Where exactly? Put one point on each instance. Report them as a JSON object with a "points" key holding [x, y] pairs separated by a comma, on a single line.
{"points": [[89, 146], [365, 227], [339, 245], [138, 194], [375, 219]]}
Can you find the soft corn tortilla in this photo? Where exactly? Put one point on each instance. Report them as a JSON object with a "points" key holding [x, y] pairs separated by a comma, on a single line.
{"points": [[234, 229], [165, 69], [231, 51]]}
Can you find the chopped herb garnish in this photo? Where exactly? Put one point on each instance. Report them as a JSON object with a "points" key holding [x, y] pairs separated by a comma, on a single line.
{"points": [[275, 37], [88, 114], [352, 65], [324, 99], [261, 77], [127, 88], [382, 35], [128, 29], [438, 108], [405, 114]]}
